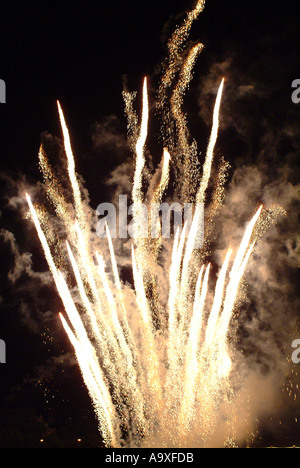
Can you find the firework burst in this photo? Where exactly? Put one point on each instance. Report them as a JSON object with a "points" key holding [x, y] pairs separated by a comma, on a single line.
{"points": [[158, 374]]}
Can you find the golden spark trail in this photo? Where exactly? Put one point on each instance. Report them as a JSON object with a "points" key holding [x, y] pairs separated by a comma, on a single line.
{"points": [[196, 226], [157, 197], [175, 47], [118, 284], [153, 367], [140, 159], [173, 349], [213, 318], [191, 365], [82, 341], [210, 148], [105, 417], [71, 168]]}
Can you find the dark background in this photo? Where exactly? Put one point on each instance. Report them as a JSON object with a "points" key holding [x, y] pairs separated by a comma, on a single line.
{"points": [[79, 52]]}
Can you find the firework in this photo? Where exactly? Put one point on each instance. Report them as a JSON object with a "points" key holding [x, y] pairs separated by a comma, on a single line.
{"points": [[155, 378]]}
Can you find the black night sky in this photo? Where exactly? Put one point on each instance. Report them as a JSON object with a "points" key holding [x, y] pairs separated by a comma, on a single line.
{"points": [[82, 53]]}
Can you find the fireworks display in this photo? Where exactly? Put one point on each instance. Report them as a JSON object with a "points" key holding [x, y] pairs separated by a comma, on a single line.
{"points": [[159, 370]]}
